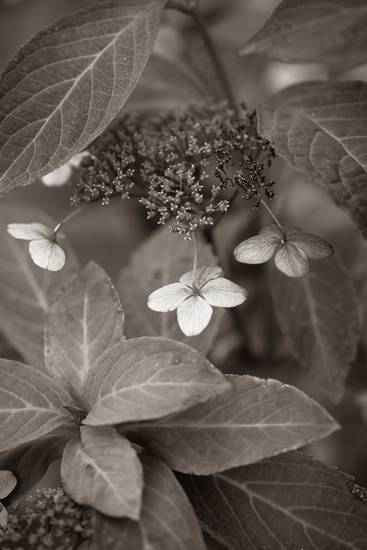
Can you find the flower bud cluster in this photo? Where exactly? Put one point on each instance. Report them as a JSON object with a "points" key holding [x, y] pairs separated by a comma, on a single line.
{"points": [[178, 164], [49, 520]]}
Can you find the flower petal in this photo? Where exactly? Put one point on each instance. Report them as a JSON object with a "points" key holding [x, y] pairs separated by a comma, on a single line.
{"points": [[203, 275], [47, 254], [222, 292], [29, 231], [76, 160], [168, 297], [313, 246], [271, 230], [58, 177], [193, 315], [257, 250], [291, 261]]}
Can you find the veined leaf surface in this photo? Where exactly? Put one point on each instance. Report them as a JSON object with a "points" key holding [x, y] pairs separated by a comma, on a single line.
{"points": [[68, 83], [256, 419], [320, 129]]}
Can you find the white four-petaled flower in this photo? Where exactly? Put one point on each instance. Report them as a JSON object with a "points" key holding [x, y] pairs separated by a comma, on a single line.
{"points": [[61, 176], [43, 248], [290, 246], [194, 299]]}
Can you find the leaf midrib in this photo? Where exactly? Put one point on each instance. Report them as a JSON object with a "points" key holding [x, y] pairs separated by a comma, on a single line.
{"points": [[76, 82], [305, 524]]}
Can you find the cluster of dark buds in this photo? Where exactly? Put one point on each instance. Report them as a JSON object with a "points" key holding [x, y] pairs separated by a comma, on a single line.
{"points": [[49, 519], [179, 165]]}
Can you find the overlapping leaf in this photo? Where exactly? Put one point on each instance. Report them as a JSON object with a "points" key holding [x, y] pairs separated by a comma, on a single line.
{"points": [[160, 260], [102, 470], [167, 520], [319, 317], [146, 378], [288, 502], [8, 482], [256, 419], [320, 128], [30, 461], [116, 533], [25, 290], [84, 322], [31, 404], [68, 83], [177, 526], [322, 31]]}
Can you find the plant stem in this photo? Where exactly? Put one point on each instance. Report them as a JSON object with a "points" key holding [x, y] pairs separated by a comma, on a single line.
{"points": [[195, 240], [66, 219], [190, 8], [269, 210], [216, 61]]}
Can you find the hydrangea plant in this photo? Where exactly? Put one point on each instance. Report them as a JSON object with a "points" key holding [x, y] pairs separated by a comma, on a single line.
{"points": [[114, 384]]}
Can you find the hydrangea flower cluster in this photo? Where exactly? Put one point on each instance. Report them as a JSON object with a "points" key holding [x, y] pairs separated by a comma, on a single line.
{"points": [[50, 519], [291, 248], [179, 165], [43, 247], [193, 297]]}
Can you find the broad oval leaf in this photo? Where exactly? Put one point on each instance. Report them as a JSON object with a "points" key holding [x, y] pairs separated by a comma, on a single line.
{"points": [[102, 470], [8, 483], [84, 322], [289, 502], [31, 404], [167, 519], [319, 317], [117, 533], [320, 128], [164, 498], [162, 259], [68, 83], [25, 290], [146, 378], [331, 32], [30, 461], [255, 420]]}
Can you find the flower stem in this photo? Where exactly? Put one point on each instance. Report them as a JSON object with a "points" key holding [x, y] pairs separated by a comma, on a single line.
{"points": [[190, 8], [195, 240], [66, 219], [269, 210]]}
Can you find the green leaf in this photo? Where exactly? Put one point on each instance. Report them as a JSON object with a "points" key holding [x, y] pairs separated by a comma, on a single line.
{"points": [[31, 404], [319, 317], [84, 322], [331, 32], [102, 470], [255, 420], [30, 461], [25, 290], [167, 520], [162, 259], [68, 83], [117, 533], [146, 378], [320, 128], [8, 482], [289, 502]]}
